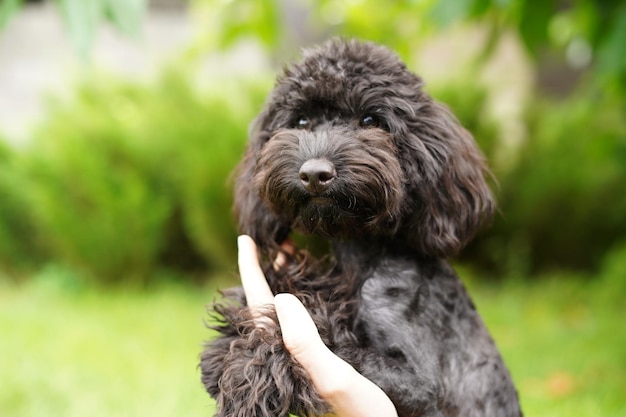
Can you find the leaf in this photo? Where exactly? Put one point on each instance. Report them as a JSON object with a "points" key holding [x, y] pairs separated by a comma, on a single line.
{"points": [[244, 18], [7, 10], [126, 15], [612, 51], [82, 18], [534, 17], [447, 12], [480, 8]]}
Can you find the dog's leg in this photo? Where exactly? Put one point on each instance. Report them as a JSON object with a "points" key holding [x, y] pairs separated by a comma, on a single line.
{"points": [[243, 374], [250, 373]]}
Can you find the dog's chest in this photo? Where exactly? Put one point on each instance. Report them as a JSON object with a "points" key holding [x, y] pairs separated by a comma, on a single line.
{"points": [[408, 309]]}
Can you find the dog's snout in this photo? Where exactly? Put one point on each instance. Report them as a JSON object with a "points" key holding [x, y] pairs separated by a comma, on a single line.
{"points": [[317, 174]]}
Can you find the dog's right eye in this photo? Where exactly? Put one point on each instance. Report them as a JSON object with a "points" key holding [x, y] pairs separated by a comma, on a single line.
{"points": [[302, 123], [370, 120]]}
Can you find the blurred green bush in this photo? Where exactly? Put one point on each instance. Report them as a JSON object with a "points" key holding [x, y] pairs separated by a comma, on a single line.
{"points": [[18, 240], [563, 200], [126, 181]]}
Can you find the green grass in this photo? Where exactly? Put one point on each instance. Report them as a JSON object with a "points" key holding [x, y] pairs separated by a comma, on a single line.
{"points": [[101, 353], [114, 353], [564, 342]]}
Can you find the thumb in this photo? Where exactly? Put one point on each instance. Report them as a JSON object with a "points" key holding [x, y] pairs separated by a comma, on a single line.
{"points": [[300, 334], [330, 374], [348, 392]]}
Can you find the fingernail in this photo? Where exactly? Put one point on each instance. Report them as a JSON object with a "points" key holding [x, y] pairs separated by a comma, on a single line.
{"points": [[287, 303], [280, 301], [243, 240]]}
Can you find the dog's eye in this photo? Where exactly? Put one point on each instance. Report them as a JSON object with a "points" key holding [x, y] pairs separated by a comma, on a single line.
{"points": [[369, 120], [302, 122]]}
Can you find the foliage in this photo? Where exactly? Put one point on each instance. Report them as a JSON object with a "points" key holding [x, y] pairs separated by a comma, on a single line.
{"points": [[562, 203], [129, 179], [18, 240], [7, 9], [83, 17], [152, 161], [586, 32]]}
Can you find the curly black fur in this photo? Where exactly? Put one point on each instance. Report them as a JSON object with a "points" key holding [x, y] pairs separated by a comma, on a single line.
{"points": [[350, 148]]}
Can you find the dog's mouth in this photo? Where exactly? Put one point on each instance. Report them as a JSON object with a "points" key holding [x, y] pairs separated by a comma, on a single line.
{"points": [[319, 216], [322, 201], [330, 217]]}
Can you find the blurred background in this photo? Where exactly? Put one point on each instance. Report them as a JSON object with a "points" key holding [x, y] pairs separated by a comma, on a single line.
{"points": [[121, 120]]}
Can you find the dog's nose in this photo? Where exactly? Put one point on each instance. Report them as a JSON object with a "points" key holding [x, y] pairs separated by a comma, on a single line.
{"points": [[317, 174]]}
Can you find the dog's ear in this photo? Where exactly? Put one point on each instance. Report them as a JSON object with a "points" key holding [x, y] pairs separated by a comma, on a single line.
{"points": [[446, 179], [252, 214]]}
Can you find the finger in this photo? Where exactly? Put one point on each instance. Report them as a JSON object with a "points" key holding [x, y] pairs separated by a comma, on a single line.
{"points": [[349, 393], [253, 280], [300, 334], [281, 259]]}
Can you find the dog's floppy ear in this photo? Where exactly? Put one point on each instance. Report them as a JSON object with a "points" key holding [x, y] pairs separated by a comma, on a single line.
{"points": [[449, 188], [253, 216]]}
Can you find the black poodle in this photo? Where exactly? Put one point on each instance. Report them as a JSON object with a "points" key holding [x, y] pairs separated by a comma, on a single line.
{"points": [[351, 149]]}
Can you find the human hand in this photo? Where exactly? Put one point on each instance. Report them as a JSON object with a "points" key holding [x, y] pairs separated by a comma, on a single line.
{"points": [[349, 393]]}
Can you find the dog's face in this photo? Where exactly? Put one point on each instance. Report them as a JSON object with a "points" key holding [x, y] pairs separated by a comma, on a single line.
{"points": [[349, 146]]}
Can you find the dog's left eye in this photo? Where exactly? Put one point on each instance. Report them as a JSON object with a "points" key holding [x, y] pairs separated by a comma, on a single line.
{"points": [[302, 122], [370, 120]]}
